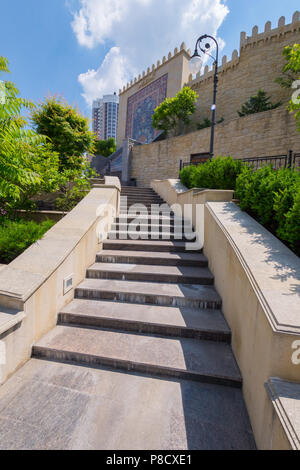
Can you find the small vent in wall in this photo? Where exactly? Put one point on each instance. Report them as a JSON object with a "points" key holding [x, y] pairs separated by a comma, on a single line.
{"points": [[68, 284]]}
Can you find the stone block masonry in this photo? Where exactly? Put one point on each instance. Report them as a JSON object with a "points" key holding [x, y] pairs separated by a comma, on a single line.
{"points": [[257, 64], [268, 133]]}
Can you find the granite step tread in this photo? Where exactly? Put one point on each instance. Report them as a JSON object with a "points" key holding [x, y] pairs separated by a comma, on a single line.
{"points": [[152, 273], [205, 361], [152, 257], [171, 321], [181, 295], [154, 227], [149, 219], [133, 234], [162, 246]]}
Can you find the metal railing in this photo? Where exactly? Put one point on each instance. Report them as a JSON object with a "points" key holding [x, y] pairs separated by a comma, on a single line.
{"points": [[290, 160]]}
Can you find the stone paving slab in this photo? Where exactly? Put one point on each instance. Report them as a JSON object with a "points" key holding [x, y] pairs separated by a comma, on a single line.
{"points": [[180, 357], [55, 406]]}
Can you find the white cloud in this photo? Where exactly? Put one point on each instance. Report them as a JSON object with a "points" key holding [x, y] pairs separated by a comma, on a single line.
{"points": [[110, 76], [142, 31]]}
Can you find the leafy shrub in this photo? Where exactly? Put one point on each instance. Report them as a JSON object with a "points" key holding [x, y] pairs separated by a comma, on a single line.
{"points": [[273, 199], [257, 104], [207, 123], [17, 235], [218, 173], [187, 176]]}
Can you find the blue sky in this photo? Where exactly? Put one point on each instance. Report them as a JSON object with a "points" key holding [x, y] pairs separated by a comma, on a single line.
{"points": [[59, 46]]}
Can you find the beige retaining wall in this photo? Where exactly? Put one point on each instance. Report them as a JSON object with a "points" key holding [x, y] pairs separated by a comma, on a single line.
{"points": [[258, 279], [32, 287], [268, 133]]}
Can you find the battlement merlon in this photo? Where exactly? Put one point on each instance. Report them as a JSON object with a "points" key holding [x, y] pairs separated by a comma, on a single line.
{"points": [[154, 68], [281, 28]]}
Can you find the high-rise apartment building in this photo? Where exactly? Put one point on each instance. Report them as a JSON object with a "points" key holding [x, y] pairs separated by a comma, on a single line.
{"points": [[105, 116]]}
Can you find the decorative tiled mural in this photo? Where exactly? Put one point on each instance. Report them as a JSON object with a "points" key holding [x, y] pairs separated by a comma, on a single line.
{"points": [[140, 108]]}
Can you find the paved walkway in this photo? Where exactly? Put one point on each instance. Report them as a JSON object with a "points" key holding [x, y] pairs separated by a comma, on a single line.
{"points": [[48, 405]]}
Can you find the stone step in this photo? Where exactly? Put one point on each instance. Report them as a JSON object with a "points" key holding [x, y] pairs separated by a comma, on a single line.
{"points": [[156, 246], [150, 273], [167, 228], [146, 212], [144, 204], [141, 197], [204, 361], [168, 321], [152, 258], [175, 295], [135, 189], [139, 200], [135, 235], [152, 219]]}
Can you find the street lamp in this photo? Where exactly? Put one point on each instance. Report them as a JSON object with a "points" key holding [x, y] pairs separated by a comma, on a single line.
{"points": [[195, 65]]}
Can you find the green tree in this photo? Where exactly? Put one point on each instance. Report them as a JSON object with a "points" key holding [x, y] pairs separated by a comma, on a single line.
{"points": [[291, 69], [105, 147], [175, 111], [257, 104], [291, 78], [19, 171], [67, 130]]}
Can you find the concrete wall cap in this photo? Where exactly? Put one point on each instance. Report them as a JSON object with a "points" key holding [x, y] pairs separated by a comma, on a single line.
{"points": [[272, 269], [9, 318], [285, 399], [24, 275]]}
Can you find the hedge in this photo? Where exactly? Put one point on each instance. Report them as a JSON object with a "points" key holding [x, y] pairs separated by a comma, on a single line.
{"points": [[17, 235], [218, 173], [271, 196]]}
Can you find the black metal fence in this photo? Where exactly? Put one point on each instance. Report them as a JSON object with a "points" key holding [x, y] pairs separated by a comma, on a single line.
{"points": [[290, 160]]}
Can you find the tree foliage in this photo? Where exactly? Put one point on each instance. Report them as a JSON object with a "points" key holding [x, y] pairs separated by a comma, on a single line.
{"points": [[28, 163], [105, 147], [291, 69], [18, 146], [291, 78], [67, 130], [257, 104], [175, 111]]}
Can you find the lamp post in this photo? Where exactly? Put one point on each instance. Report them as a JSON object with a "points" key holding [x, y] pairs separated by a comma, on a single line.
{"points": [[195, 65]]}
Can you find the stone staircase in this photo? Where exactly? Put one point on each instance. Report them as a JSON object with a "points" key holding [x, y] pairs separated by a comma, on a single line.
{"points": [[146, 305]]}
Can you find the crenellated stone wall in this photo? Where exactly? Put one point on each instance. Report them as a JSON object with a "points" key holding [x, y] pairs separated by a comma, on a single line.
{"points": [[257, 64], [268, 133]]}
